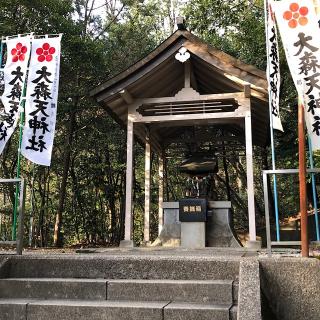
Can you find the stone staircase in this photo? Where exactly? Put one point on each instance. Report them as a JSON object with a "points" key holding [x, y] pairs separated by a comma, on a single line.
{"points": [[31, 290]]}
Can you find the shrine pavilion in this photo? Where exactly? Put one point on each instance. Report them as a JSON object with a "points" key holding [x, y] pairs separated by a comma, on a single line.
{"points": [[184, 83]]}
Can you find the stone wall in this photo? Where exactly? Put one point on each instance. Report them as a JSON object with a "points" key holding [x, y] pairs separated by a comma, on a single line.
{"points": [[292, 287]]}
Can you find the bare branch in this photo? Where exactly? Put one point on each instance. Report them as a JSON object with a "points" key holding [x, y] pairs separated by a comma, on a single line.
{"points": [[109, 24]]}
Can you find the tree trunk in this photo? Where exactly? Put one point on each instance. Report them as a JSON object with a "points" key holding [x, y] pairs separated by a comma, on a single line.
{"points": [[58, 238]]}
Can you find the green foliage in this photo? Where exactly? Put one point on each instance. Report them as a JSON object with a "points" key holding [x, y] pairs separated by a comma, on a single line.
{"points": [[90, 148], [238, 28]]}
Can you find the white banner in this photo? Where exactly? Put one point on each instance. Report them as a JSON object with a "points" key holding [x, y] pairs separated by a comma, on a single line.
{"points": [[18, 53], [41, 100], [299, 31], [273, 69]]}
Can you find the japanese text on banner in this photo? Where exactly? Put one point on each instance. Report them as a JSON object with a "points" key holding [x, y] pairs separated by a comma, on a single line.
{"points": [[273, 70], [18, 53], [41, 100], [299, 31]]}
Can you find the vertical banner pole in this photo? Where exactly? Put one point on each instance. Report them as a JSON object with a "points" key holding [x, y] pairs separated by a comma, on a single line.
{"points": [[32, 206], [313, 179], [314, 190], [273, 154], [302, 182]]}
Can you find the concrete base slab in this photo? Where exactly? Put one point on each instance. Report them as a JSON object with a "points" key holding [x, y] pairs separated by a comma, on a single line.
{"points": [[126, 244], [254, 244], [171, 229], [193, 235], [183, 311]]}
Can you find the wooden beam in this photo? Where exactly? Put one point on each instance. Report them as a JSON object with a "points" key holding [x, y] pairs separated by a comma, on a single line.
{"points": [[250, 180], [204, 122], [204, 138], [247, 90], [193, 79], [147, 181], [126, 96], [187, 74], [218, 96], [214, 117], [129, 180]]}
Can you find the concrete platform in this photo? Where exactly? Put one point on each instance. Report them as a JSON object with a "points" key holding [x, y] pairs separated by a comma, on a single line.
{"points": [[124, 266]]}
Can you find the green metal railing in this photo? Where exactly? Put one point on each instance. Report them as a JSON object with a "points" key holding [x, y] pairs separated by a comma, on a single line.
{"points": [[18, 241], [265, 174]]}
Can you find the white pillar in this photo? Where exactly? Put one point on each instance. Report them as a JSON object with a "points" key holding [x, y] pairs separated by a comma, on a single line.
{"points": [[147, 191], [250, 183], [129, 178], [160, 193]]}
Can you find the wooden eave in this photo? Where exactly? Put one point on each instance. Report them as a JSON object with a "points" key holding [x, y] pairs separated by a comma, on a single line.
{"points": [[160, 74], [235, 67]]}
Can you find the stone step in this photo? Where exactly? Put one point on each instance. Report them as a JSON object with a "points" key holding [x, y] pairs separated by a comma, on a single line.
{"points": [[80, 310], [53, 288], [122, 267], [196, 291], [19, 309], [13, 309], [188, 311]]}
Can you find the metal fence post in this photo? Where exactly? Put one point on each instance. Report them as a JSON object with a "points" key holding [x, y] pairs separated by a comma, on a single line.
{"points": [[21, 217], [267, 213], [22, 190]]}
